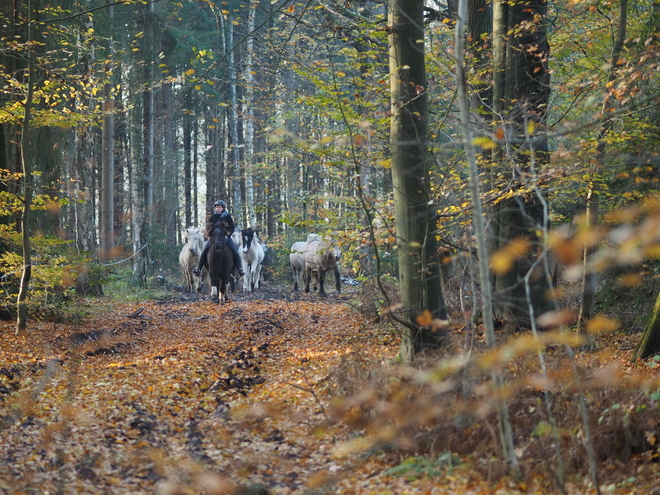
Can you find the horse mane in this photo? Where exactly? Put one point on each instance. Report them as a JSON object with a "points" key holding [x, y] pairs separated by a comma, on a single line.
{"points": [[221, 224]]}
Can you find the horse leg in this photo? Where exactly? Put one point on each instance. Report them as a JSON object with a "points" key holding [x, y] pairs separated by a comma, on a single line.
{"points": [[308, 276], [338, 280], [225, 292], [257, 279], [321, 273], [253, 276], [214, 288]]}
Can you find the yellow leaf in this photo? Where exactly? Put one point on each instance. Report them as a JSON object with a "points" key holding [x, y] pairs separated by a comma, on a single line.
{"points": [[600, 324], [502, 260], [484, 142], [530, 127], [650, 438]]}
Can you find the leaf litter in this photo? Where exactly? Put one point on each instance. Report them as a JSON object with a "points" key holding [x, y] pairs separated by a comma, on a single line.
{"points": [[267, 394]]}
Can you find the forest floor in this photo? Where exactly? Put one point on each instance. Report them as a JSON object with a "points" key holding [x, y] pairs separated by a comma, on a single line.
{"points": [[281, 392]]}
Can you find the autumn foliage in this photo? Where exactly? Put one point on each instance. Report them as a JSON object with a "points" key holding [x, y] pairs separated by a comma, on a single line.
{"points": [[285, 393]]}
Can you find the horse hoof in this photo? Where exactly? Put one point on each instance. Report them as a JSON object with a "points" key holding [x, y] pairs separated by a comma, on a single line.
{"points": [[215, 300]]}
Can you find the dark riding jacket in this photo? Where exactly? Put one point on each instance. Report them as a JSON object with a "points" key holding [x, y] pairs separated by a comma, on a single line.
{"points": [[225, 217], [210, 225]]}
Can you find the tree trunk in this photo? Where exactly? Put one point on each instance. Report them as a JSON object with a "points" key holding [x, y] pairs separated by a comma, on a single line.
{"points": [[589, 278], [21, 301], [170, 200], [506, 435], [195, 199], [148, 123], [232, 116], [520, 99], [248, 126], [107, 157], [419, 275], [187, 168], [649, 345], [142, 184]]}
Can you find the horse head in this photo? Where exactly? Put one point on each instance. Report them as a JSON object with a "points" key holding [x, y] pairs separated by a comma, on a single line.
{"points": [[195, 239], [246, 238], [219, 236], [336, 252]]}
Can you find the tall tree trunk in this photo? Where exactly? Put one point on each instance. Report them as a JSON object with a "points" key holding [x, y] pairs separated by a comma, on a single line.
{"points": [[248, 126], [195, 198], [21, 301], [187, 166], [107, 156], [142, 185], [212, 162], [120, 169], [148, 114], [235, 160], [506, 435], [589, 277], [520, 101], [170, 199], [419, 274]]}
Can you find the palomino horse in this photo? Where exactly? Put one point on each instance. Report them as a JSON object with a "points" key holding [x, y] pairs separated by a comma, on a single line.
{"points": [[252, 255], [189, 257], [297, 260], [220, 262], [322, 256]]}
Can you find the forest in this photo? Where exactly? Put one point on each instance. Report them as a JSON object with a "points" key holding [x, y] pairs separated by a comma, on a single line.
{"points": [[485, 170]]}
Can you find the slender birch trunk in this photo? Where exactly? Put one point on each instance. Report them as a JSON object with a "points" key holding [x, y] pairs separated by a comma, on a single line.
{"points": [[506, 436], [21, 302], [248, 126]]}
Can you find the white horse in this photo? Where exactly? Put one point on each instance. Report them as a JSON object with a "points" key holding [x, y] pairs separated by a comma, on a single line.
{"points": [[321, 257], [297, 259], [189, 257], [252, 256], [235, 277]]}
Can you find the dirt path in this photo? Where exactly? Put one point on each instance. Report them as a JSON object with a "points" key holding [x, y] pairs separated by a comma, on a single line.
{"points": [[180, 395]]}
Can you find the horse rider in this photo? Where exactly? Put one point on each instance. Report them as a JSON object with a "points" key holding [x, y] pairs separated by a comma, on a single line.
{"points": [[220, 213]]}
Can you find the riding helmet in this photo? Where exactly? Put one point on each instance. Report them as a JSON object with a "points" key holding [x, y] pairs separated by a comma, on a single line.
{"points": [[221, 203]]}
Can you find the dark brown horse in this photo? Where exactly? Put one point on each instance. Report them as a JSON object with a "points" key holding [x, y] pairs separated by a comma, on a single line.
{"points": [[220, 262]]}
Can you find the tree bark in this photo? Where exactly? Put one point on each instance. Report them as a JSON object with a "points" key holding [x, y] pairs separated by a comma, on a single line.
{"points": [[589, 277], [187, 168], [649, 345], [170, 199], [21, 301], [520, 98], [248, 126], [419, 275], [107, 157], [236, 200], [506, 435]]}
